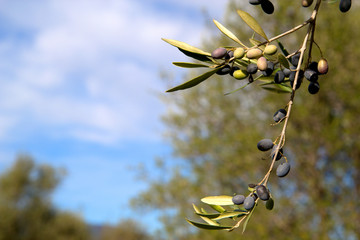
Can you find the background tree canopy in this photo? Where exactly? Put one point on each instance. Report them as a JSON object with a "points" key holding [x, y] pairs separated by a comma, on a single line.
{"points": [[214, 138]]}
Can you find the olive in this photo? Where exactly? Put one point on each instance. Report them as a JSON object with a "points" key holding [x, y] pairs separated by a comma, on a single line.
{"points": [[238, 199], [262, 192], [279, 115], [313, 87], [265, 144], [219, 53], [283, 169], [278, 155], [249, 203]]}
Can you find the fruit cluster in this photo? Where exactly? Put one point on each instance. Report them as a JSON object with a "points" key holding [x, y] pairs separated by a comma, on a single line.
{"points": [[241, 64], [268, 7]]}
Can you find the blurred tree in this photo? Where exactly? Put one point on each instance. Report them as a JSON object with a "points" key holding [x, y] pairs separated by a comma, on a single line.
{"points": [[125, 230], [214, 139], [26, 208]]}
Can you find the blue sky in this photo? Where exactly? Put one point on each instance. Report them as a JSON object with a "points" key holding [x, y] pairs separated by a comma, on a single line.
{"points": [[78, 89]]}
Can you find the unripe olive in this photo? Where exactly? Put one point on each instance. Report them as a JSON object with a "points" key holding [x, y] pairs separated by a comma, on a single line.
{"points": [[262, 192], [269, 204], [314, 87], [219, 53], [279, 77], [262, 64], [267, 6], [240, 74], [265, 144], [233, 69], [323, 66], [249, 203], [345, 5], [283, 169], [239, 53], [270, 49], [238, 199], [252, 68], [278, 155], [224, 70], [306, 3], [279, 115], [254, 53]]}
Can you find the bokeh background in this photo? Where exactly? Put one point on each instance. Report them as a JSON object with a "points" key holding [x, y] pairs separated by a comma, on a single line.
{"points": [[82, 91]]}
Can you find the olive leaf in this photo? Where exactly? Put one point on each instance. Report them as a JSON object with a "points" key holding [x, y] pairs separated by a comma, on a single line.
{"points": [[189, 65], [186, 47], [255, 42], [228, 33], [252, 23], [197, 56], [247, 219], [222, 200], [195, 81], [283, 61], [218, 208], [282, 48], [207, 226]]}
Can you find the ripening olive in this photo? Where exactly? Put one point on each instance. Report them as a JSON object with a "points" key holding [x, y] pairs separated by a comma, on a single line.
{"points": [[262, 64], [219, 53], [345, 5], [238, 199], [254, 53], [249, 203], [265, 144], [240, 74], [314, 87], [323, 66], [270, 49], [279, 115], [267, 6], [306, 3], [283, 169], [269, 70], [262, 192]]}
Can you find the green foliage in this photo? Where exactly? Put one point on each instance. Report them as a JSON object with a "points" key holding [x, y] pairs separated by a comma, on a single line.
{"points": [[25, 204]]}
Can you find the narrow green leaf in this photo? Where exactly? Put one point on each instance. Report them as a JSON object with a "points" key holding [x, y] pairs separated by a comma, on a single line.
{"points": [[282, 48], [207, 226], [199, 57], [189, 65], [247, 219], [209, 221], [253, 24], [237, 89], [283, 61], [228, 33], [222, 200], [196, 209], [229, 215], [218, 208], [186, 47], [209, 215], [255, 42], [274, 89], [195, 81]]}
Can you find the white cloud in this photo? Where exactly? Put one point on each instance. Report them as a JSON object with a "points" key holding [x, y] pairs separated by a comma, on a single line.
{"points": [[90, 66]]}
